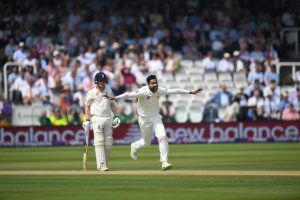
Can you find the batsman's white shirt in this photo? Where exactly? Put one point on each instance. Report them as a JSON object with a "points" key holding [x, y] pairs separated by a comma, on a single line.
{"points": [[99, 103]]}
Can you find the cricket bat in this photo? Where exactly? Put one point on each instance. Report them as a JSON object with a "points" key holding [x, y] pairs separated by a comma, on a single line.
{"points": [[86, 148]]}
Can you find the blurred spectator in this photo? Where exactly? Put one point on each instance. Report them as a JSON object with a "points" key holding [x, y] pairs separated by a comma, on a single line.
{"points": [[243, 99], [290, 113], [288, 18], [146, 52], [257, 54], [128, 77], [210, 113], [155, 65], [30, 92], [74, 118], [10, 48], [271, 75], [238, 63], [208, 63], [30, 60], [13, 75], [223, 97], [232, 111], [256, 74], [87, 82], [245, 55], [274, 89], [45, 86], [75, 114], [58, 118], [20, 55], [101, 53], [225, 65], [18, 87], [171, 64], [90, 55], [117, 51], [271, 54], [160, 52], [297, 100], [52, 69], [44, 120], [284, 101], [70, 77], [297, 78], [217, 47], [65, 100], [136, 71], [80, 95], [189, 49], [270, 106], [57, 60], [255, 106], [30, 73]]}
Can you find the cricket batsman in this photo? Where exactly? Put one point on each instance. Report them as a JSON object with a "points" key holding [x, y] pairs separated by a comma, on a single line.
{"points": [[98, 110], [149, 118]]}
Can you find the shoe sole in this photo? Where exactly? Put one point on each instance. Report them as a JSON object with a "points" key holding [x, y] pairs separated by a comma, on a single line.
{"points": [[103, 170], [167, 168]]}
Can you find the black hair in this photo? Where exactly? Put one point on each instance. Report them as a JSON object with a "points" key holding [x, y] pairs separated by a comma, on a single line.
{"points": [[149, 78]]}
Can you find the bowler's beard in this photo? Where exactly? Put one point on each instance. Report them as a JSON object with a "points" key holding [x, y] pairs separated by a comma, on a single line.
{"points": [[154, 89]]}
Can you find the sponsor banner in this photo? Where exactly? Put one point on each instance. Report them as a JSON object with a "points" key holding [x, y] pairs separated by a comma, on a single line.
{"points": [[177, 133], [234, 132]]}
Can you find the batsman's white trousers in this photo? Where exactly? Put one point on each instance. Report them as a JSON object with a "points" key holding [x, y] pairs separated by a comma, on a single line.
{"points": [[149, 126], [102, 128]]}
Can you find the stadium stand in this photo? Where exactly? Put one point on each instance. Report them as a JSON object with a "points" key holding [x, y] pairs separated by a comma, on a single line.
{"points": [[50, 51]]}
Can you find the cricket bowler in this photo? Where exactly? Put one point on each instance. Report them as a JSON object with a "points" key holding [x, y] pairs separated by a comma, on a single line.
{"points": [[149, 118]]}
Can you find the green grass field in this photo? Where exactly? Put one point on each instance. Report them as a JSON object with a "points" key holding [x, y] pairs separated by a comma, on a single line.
{"points": [[200, 171]]}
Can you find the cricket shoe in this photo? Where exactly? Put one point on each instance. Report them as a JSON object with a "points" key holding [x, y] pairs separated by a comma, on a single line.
{"points": [[133, 152], [165, 166], [103, 169]]}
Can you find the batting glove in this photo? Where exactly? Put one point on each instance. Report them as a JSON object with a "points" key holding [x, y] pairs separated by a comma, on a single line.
{"points": [[116, 122], [86, 125]]}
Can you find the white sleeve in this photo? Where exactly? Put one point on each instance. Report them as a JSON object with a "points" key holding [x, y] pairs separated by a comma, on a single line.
{"points": [[89, 98], [127, 95], [177, 91]]}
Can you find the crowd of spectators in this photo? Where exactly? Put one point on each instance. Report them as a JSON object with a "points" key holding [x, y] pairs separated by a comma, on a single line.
{"points": [[61, 45]]}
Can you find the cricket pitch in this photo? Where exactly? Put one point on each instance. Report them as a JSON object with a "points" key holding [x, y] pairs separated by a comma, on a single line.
{"points": [[153, 172]]}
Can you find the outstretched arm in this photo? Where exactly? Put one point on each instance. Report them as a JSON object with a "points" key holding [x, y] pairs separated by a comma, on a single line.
{"points": [[181, 91], [126, 95], [196, 91]]}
